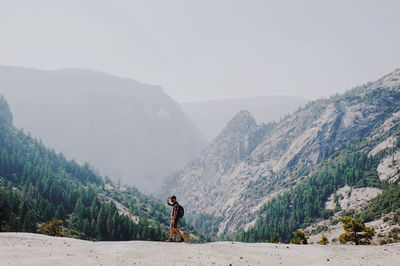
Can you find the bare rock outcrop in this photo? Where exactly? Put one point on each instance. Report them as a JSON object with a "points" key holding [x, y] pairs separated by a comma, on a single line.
{"points": [[389, 168]]}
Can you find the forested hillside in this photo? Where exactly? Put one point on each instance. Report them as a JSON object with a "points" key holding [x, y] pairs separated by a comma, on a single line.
{"points": [[306, 203], [38, 185], [130, 131]]}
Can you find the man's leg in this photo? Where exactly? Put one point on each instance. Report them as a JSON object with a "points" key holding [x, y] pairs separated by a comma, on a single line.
{"points": [[171, 236], [178, 232]]}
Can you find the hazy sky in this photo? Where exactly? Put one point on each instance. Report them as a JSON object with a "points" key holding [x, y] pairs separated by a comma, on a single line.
{"points": [[202, 50]]}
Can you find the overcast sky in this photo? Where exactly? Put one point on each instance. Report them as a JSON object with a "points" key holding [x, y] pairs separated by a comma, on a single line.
{"points": [[203, 50]]}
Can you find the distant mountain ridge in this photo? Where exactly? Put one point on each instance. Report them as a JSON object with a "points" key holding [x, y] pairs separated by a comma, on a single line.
{"points": [[128, 130], [279, 157], [211, 116]]}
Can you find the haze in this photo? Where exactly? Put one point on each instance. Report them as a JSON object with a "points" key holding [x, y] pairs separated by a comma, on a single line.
{"points": [[204, 50]]}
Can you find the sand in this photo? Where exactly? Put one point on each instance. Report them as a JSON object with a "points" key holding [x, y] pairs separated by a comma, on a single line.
{"points": [[34, 249]]}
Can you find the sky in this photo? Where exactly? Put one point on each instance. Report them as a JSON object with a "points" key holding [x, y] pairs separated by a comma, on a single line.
{"points": [[210, 49]]}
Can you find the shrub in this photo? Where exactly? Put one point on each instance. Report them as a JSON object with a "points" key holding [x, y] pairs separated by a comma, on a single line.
{"points": [[299, 237], [52, 228], [187, 237], [324, 240]]}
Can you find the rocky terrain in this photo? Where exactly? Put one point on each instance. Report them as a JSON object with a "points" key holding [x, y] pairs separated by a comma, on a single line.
{"points": [[249, 163], [354, 200], [128, 130]]}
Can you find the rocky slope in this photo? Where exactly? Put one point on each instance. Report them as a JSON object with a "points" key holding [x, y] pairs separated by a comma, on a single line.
{"points": [[352, 201], [212, 116], [355, 201], [128, 130], [248, 164]]}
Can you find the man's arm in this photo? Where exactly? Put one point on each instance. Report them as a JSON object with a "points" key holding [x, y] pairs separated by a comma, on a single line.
{"points": [[168, 202]]}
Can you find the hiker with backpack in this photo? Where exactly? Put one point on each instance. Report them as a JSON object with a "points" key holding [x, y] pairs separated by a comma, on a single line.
{"points": [[176, 214]]}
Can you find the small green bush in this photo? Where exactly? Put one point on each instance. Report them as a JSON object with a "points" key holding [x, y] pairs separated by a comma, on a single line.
{"points": [[299, 238], [52, 228], [324, 240]]}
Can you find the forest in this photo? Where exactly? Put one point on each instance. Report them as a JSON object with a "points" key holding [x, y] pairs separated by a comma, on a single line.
{"points": [[305, 203], [38, 185]]}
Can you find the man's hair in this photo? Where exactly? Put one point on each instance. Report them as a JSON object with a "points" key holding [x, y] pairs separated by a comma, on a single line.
{"points": [[173, 197]]}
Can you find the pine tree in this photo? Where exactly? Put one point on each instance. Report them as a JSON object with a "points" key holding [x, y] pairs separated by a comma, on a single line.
{"points": [[60, 213], [101, 225], [356, 231], [274, 239], [29, 224]]}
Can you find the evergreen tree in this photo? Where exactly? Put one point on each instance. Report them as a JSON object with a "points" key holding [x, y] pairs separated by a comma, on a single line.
{"points": [[274, 239], [29, 223], [356, 231]]}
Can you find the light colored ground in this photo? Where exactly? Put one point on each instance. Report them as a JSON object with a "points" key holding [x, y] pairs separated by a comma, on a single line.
{"points": [[352, 198], [33, 249]]}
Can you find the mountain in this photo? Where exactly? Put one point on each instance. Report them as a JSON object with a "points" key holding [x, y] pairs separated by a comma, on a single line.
{"points": [[38, 185], [211, 117], [126, 129], [254, 180]]}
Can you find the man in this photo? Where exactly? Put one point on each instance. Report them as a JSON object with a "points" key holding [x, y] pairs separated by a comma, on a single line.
{"points": [[174, 219]]}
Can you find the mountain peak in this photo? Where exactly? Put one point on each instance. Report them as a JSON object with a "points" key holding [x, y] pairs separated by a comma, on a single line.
{"points": [[243, 114], [242, 121]]}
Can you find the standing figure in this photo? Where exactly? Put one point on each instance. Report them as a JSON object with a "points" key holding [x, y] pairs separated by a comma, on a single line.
{"points": [[176, 213]]}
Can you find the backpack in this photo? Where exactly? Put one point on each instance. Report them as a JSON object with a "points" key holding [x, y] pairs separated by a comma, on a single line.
{"points": [[180, 212]]}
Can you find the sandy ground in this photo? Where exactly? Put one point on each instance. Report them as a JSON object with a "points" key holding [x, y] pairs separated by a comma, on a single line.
{"points": [[34, 249]]}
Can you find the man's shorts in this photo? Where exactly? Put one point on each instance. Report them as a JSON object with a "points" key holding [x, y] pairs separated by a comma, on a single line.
{"points": [[174, 225]]}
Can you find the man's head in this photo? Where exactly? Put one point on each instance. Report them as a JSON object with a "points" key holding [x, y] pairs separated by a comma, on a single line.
{"points": [[173, 199]]}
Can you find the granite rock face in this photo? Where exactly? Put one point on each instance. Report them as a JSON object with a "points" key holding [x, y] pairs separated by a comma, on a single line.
{"points": [[248, 164]]}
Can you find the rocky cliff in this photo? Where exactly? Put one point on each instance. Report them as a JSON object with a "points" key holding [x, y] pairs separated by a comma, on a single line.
{"points": [[248, 164]]}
